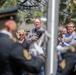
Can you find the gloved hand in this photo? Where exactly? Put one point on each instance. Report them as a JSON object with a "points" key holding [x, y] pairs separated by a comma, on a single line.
{"points": [[62, 49]]}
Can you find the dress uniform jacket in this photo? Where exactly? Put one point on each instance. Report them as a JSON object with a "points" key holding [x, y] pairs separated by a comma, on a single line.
{"points": [[69, 61], [14, 58]]}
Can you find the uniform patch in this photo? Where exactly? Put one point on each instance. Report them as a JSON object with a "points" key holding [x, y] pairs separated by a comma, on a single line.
{"points": [[63, 64], [26, 54], [74, 44], [13, 38], [72, 48]]}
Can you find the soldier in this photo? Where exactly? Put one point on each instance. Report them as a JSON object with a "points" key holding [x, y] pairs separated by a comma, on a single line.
{"points": [[69, 62], [13, 57]]}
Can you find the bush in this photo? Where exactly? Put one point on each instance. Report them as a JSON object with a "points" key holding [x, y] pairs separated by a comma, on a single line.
{"points": [[29, 21]]}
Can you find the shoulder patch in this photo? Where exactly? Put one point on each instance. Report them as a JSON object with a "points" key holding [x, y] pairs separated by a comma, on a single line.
{"points": [[72, 48], [26, 54], [74, 44], [13, 38], [63, 64]]}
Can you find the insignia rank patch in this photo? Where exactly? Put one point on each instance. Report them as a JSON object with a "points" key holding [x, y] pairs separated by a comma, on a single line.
{"points": [[63, 64], [26, 54]]}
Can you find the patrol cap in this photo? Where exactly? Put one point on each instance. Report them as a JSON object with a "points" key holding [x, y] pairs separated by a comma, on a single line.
{"points": [[9, 13]]}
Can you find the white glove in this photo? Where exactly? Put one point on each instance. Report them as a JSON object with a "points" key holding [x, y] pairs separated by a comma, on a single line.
{"points": [[39, 49], [62, 49]]}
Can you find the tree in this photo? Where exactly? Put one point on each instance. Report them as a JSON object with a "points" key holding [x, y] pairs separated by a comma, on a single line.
{"points": [[38, 8], [8, 3], [67, 11], [2, 2], [63, 12], [27, 8], [33, 8]]}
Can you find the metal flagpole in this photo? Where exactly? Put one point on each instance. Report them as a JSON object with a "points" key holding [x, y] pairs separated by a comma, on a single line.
{"points": [[52, 27]]}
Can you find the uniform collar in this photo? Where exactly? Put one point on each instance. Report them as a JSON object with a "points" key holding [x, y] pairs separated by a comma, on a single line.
{"points": [[6, 32]]}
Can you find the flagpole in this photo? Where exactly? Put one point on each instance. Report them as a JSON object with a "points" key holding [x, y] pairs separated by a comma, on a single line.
{"points": [[52, 28]]}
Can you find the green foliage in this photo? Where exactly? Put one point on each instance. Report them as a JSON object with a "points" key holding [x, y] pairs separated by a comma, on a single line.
{"points": [[67, 11], [9, 3], [25, 13], [21, 14], [29, 21], [62, 5], [61, 12], [2, 2], [37, 13]]}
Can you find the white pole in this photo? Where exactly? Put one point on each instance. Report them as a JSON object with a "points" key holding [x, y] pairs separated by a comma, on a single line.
{"points": [[52, 27]]}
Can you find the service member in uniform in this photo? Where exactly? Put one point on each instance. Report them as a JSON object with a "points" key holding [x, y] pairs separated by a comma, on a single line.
{"points": [[69, 62], [13, 57]]}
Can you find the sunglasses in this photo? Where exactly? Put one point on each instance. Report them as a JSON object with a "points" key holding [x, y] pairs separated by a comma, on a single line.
{"points": [[21, 34]]}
